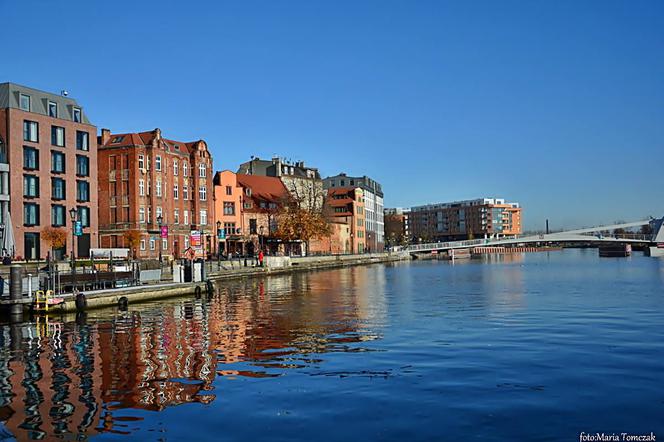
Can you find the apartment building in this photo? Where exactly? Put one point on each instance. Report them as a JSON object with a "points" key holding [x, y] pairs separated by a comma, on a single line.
{"points": [[347, 207], [397, 226], [459, 220], [49, 143], [373, 206], [302, 182], [262, 198], [147, 182], [228, 212]]}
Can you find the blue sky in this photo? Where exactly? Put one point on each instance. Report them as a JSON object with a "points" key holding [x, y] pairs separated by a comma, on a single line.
{"points": [[558, 105]]}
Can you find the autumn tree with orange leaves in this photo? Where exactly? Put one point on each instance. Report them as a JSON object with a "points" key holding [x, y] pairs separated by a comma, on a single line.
{"points": [[303, 215], [56, 238], [132, 238]]}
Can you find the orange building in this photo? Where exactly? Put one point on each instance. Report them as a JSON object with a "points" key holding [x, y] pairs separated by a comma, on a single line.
{"points": [[228, 212], [346, 208], [145, 178]]}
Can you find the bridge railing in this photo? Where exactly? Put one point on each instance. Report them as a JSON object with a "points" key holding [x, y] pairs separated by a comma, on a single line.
{"points": [[446, 245]]}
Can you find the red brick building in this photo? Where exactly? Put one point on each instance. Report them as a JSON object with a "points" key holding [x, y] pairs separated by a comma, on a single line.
{"points": [[143, 178], [50, 146]]}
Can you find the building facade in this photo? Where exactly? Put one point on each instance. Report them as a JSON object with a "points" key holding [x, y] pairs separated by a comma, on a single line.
{"points": [[397, 226], [373, 206], [469, 219], [228, 212], [49, 143], [147, 182], [347, 208], [302, 182]]}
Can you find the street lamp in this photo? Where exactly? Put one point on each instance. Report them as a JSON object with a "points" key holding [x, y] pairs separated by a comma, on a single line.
{"points": [[72, 215], [218, 244], [161, 241]]}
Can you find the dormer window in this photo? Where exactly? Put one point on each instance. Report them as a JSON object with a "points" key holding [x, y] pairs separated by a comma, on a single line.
{"points": [[247, 191], [25, 102], [77, 115], [53, 109], [116, 140]]}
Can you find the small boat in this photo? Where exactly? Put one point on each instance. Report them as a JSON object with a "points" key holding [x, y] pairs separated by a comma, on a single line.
{"points": [[615, 251]]}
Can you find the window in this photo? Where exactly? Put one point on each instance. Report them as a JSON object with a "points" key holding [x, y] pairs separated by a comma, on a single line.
{"points": [[82, 165], [30, 214], [229, 190], [203, 214], [186, 242], [158, 212], [82, 140], [157, 163], [84, 215], [52, 109], [252, 226], [186, 217], [141, 215], [229, 228], [25, 102], [201, 170], [77, 115], [176, 191], [31, 245], [31, 131], [142, 244], [141, 187], [58, 189], [57, 215], [116, 140], [158, 188], [152, 244], [229, 208], [82, 191], [175, 167], [185, 168], [248, 205], [57, 162], [164, 244], [58, 136], [30, 158], [176, 216], [149, 214], [185, 193], [30, 186], [141, 162], [202, 193]]}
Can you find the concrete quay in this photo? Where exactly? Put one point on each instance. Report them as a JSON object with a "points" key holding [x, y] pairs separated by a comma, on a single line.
{"points": [[147, 293]]}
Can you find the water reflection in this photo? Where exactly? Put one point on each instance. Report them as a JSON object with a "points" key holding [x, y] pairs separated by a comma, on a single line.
{"points": [[78, 376]]}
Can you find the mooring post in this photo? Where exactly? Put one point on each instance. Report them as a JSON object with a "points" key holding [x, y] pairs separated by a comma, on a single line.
{"points": [[15, 290]]}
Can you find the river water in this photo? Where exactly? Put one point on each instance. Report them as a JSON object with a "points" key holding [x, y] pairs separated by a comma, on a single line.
{"points": [[538, 346]]}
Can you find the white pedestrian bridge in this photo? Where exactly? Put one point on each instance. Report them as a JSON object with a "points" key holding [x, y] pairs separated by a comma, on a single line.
{"points": [[586, 235]]}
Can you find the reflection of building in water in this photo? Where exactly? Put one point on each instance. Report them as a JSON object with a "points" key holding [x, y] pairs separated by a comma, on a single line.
{"points": [[77, 379], [49, 386]]}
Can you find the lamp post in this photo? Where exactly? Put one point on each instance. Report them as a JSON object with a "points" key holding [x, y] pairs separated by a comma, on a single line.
{"points": [[218, 244], [161, 241], [72, 215]]}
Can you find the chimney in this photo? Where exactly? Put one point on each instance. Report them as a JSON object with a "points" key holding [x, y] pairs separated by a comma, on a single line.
{"points": [[105, 136]]}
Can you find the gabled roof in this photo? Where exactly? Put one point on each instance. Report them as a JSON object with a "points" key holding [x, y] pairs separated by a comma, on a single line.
{"points": [[146, 139], [263, 187]]}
